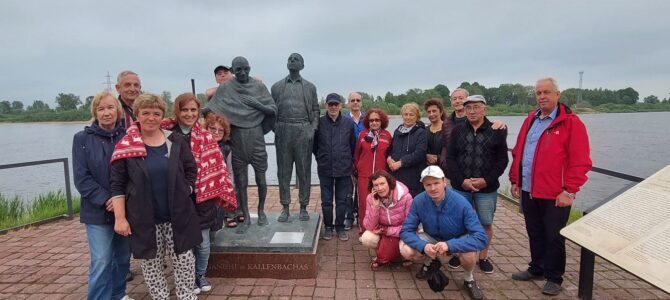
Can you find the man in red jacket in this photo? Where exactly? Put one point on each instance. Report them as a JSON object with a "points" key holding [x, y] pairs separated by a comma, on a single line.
{"points": [[550, 161]]}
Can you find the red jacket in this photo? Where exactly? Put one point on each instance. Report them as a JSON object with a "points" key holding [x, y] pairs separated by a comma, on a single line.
{"points": [[364, 157], [562, 156]]}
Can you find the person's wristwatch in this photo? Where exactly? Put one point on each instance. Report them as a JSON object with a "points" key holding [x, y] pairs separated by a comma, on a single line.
{"points": [[571, 195]]}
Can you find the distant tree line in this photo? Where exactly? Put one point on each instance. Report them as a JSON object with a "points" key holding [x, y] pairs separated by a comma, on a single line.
{"points": [[508, 98]]}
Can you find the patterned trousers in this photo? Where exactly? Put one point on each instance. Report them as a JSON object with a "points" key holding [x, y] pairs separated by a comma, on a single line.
{"points": [[183, 265]]}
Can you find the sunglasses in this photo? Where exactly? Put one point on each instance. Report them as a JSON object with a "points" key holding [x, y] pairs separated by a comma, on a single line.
{"points": [[374, 120], [355, 100], [333, 103]]}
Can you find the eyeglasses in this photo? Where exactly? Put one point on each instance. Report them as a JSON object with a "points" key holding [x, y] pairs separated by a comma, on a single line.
{"points": [[355, 100], [374, 120], [474, 108], [216, 130], [333, 103]]}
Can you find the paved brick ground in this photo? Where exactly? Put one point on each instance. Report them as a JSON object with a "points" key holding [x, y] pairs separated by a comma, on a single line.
{"points": [[50, 262]]}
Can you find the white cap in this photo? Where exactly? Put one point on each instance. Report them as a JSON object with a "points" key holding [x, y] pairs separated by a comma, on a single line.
{"points": [[432, 171]]}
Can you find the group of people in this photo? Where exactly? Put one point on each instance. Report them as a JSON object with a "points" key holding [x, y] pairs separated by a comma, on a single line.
{"points": [[156, 186], [405, 207], [150, 186]]}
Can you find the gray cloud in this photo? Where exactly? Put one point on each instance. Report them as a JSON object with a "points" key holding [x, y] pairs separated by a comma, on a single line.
{"points": [[373, 46]]}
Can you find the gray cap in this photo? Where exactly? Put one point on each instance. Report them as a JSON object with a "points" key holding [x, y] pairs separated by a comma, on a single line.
{"points": [[474, 98]]}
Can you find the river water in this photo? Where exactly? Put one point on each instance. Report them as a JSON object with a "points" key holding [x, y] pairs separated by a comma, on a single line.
{"points": [[633, 143]]}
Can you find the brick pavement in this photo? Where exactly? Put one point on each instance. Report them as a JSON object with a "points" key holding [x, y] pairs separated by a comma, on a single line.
{"points": [[50, 262]]}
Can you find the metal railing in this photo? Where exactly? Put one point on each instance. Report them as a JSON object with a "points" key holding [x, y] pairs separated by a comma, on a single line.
{"points": [[68, 193]]}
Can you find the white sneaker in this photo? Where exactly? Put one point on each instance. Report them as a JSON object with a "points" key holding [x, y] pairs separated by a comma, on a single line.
{"points": [[126, 297], [196, 291]]}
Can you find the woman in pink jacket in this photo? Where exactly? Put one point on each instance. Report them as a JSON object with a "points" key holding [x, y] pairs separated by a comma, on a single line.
{"points": [[387, 206]]}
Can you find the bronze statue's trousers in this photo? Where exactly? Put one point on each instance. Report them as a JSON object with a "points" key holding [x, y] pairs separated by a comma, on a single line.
{"points": [[293, 142], [248, 147]]}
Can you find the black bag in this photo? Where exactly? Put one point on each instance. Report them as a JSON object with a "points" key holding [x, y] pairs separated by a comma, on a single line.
{"points": [[437, 280]]}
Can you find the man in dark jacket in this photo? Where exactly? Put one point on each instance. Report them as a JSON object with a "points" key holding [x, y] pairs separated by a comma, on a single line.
{"points": [[550, 161], [476, 157], [334, 151]]}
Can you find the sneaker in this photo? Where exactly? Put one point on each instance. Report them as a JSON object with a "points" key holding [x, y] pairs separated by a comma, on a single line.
{"points": [[551, 288], [421, 275], [327, 234], [454, 262], [203, 283], [486, 266], [126, 297], [343, 236], [196, 290], [525, 275], [473, 290], [348, 223]]}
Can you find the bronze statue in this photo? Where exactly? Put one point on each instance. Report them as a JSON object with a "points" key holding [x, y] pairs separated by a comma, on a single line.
{"points": [[250, 109], [297, 120]]}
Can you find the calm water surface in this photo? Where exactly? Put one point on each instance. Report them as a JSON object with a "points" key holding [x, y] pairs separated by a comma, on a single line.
{"points": [[632, 143]]}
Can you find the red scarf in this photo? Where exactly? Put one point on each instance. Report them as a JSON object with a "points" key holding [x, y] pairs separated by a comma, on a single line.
{"points": [[212, 181]]}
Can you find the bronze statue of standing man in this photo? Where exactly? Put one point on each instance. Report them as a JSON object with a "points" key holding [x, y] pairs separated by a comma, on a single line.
{"points": [[249, 107], [297, 120]]}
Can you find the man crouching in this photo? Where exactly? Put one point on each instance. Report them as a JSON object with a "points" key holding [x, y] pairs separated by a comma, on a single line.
{"points": [[450, 226]]}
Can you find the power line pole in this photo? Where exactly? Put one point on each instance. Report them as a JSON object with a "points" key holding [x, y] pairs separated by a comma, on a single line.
{"points": [[108, 82], [579, 92]]}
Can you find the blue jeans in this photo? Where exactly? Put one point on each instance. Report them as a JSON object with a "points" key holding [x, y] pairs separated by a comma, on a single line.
{"points": [[202, 254], [483, 203], [110, 262], [343, 187]]}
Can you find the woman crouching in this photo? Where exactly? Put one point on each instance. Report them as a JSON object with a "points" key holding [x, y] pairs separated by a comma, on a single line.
{"points": [[153, 177], [387, 206]]}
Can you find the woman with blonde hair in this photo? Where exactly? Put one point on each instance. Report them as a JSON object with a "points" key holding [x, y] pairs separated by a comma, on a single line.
{"points": [[408, 151], [91, 151]]}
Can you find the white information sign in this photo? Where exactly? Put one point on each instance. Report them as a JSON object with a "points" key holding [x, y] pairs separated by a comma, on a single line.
{"points": [[632, 230]]}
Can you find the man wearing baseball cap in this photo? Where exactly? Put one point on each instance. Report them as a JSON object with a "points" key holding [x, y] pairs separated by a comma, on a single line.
{"points": [[221, 75], [476, 158], [334, 152], [450, 226]]}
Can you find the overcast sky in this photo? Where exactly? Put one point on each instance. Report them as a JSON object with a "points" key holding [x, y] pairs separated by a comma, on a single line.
{"points": [[49, 47]]}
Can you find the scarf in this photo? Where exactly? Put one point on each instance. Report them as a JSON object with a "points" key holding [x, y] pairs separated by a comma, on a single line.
{"points": [[213, 181], [373, 138], [131, 145], [402, 129]]}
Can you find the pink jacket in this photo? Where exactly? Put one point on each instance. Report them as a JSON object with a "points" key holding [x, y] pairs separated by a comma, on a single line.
{"points": [[389, 217]]}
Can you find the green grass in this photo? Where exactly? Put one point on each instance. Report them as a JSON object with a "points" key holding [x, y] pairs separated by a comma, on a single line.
{"points": [[15, 211]]}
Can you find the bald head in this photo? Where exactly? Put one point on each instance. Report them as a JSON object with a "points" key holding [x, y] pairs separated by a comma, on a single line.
{"points": [[241, 68]]}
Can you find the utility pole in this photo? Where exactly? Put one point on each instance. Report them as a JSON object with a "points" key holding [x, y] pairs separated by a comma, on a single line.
{"points": [[108, 82], [579, 92]]}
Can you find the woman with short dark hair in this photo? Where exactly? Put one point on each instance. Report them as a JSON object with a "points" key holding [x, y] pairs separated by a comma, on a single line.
{"points": [[387, 206]]}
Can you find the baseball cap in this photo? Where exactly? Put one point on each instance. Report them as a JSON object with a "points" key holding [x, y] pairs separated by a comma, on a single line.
{"points": [[432, 171], [474, 98], [334, 97], [221, 68]]}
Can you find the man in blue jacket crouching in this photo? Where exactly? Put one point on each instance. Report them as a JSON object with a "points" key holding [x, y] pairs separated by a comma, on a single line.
{"points": [[450, 226]]}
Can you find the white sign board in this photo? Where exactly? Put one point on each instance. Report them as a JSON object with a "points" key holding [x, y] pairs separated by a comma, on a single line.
{"points": [[632, 230]]}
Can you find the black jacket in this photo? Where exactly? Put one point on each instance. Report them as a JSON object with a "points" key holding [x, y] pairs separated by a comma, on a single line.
{"points": [[334, 145], [91, 151], [130, 177], [410, 148], [473, 154]]}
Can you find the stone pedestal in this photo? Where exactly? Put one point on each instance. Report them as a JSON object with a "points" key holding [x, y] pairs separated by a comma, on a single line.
{"points": [[277, 250]]}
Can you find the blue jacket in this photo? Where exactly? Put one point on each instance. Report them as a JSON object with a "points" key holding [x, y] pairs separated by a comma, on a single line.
{"points": [[410, 148], [454, 221], [334, 145], [91, 152]]}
